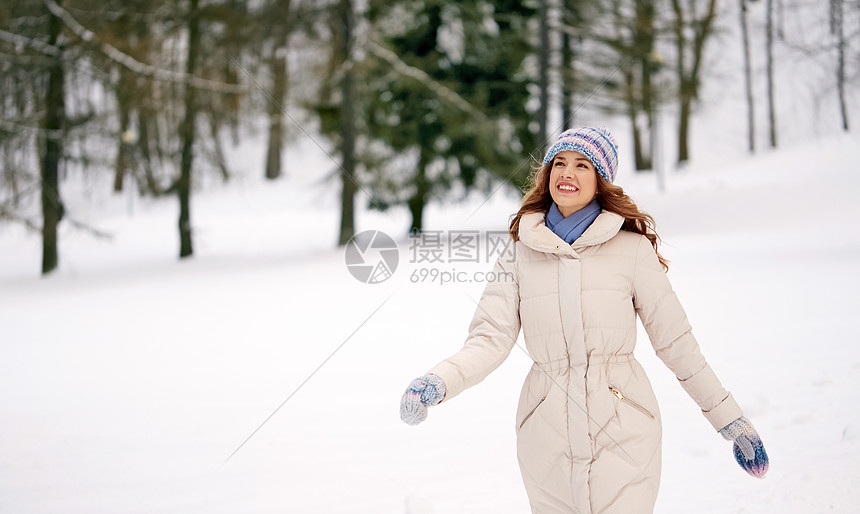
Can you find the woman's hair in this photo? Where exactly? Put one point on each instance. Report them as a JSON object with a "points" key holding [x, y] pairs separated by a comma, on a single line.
{"points": [[610, 197]]}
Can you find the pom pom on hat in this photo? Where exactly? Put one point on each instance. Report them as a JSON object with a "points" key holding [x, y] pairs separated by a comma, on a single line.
{"points": [[595, 143]]}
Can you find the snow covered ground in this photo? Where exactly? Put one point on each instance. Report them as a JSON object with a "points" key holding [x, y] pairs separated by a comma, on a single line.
{"points": [[128, 378]]}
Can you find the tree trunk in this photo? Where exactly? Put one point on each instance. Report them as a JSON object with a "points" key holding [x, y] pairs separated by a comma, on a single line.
{"points": [[52, 207], [645, 47], [648, 108], [121, 153], [633, 114], [837, 17], [567, 85], [215, 131], [771, 102], [146, 141], [143, 140], [186, 133], [347, 130], [681, 47], [638, 154], [748, 77], [684, 129], [543, 72], [278, 65], [419, 199]]}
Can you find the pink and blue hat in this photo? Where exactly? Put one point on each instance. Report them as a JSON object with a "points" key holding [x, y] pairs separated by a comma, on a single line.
{"points": [[595, 143]]}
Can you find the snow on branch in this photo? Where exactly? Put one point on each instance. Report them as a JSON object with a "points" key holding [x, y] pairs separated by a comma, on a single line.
{"points": [[19, 40], [138, 67], [422, 77]]}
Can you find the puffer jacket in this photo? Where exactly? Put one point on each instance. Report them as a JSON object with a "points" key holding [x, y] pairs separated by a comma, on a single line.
{"points": [[588, 426]]}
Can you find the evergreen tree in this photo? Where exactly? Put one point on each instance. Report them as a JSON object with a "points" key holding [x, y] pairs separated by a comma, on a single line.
{"points": [[451, 112]]}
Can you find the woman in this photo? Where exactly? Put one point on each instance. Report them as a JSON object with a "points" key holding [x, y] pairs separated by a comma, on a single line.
{"points": [[585, 263]]}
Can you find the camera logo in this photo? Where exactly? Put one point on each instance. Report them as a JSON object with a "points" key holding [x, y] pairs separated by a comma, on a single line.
{"points": [[371, 256]]}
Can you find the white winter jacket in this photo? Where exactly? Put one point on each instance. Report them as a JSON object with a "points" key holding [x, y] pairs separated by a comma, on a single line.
{"points": [[588, 426]]}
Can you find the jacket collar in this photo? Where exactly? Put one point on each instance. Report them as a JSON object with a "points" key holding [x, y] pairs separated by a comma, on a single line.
{"points": [[534, 233]]}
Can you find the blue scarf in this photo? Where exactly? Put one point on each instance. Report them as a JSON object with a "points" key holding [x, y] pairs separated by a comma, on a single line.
{"points": [[571, 227]]}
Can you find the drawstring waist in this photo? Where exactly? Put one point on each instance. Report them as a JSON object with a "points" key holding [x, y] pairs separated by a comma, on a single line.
{"points": [[556, 365], [602, 358], [593, 359]]}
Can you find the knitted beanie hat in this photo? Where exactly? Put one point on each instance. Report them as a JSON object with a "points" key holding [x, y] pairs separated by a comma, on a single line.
{"points": [[595, 143]]}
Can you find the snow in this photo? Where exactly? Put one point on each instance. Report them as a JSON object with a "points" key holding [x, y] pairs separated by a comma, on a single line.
{"points": [[127, 378]]}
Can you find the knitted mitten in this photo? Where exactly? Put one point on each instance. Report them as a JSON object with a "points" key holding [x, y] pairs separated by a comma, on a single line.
{"points": [[426, 391], [748, 448]]}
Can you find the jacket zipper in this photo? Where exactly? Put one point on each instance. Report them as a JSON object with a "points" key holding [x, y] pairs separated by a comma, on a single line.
{"points": [[523, 422], [630, 402]]}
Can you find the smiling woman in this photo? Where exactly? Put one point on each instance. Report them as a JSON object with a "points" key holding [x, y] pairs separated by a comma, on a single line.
{"points": [[585, 264]]}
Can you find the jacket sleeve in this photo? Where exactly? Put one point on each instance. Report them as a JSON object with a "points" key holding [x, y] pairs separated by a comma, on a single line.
{"points": [[492, 332], [671, 336]]}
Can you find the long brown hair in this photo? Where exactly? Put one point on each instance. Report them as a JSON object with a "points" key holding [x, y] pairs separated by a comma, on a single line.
{"points": [[537, 198]]}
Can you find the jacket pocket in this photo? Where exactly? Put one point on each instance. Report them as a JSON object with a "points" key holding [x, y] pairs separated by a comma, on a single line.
{"points": [[618, 394], [523, 422]]}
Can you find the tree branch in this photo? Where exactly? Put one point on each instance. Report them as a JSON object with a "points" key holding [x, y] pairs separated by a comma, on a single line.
{"points": [[421, 76], [137, 66], [35, 44]]}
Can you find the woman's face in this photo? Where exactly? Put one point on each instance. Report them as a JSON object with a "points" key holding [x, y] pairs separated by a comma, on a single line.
{"points": [[572, 181]]}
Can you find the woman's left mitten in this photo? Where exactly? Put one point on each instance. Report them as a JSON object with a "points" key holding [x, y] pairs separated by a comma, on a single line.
{"points": [[748, 448], [426, 391]]}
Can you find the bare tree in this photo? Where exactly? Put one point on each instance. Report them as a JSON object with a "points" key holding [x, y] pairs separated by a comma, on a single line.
{"points": [[644, 39], [748, 82], [278, 20], [132, 34], [691, 33], [347, 126], [633, 41], [837, 28], [771, 101]]}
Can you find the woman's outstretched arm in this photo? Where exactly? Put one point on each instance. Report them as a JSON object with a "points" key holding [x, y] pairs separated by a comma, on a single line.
{"points": [[492, 332], [672, 338]]}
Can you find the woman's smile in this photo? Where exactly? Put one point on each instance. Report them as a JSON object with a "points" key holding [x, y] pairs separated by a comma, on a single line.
{"points": [[567, 188]]}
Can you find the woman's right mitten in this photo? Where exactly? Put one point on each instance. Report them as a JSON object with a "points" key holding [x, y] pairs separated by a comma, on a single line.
{"points": [[423, 392]]}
